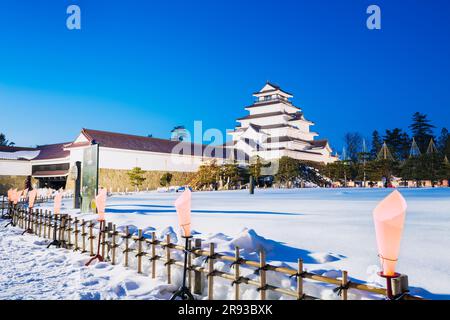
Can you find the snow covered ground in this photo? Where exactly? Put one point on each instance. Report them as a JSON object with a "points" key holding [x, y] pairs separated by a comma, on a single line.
{"points": [[331, 229]]}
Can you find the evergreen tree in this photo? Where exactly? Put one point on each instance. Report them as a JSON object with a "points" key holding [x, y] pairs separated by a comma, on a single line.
{"points": [[4, 142], [165, 179], [422, 130], [411, 170], [444, 170], [338, 171], [288, 170], [230, 174], [207, 176], [255, 167], [443, 142], [136, 177], [377, 143], [430, 166], [398, 142]]}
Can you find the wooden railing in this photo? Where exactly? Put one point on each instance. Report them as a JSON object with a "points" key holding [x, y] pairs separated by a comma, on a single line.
{"points": [[148, 253]]}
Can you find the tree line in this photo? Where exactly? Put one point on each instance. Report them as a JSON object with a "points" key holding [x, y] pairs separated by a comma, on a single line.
{"points": [[416, 156]]}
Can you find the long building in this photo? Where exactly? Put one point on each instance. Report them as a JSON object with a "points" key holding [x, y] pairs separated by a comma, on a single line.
{"points": [[50, 165]]}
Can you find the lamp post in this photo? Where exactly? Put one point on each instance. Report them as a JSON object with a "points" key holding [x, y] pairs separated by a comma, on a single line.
{"points": [[183, 206], [389, 218], [183, 292], [100, 202]]}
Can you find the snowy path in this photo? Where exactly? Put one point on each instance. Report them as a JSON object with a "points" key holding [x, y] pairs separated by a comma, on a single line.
{"points": [[28, 270]]}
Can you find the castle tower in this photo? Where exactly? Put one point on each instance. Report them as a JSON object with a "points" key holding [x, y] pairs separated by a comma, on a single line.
{"points": [[275, 128]]}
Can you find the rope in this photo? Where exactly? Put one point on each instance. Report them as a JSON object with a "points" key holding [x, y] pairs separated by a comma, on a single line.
{"points": [[237, 262], [170, 262], [341, 288], [265, 287], [211, 274], [156, 257], [263, 268], [214, 256], [300, 275], [238, 281]]}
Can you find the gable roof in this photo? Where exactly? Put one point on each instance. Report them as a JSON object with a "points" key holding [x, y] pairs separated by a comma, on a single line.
{"points": [[271, 87], [52, 151], [15, 149], [140, 143]]}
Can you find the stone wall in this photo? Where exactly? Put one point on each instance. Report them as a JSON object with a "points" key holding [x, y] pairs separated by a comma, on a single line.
{"points": [[112, 178], [18, 182]]}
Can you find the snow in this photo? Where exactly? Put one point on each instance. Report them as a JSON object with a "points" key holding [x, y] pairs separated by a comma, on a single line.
{"points": [[17, 155], [331, 229]]}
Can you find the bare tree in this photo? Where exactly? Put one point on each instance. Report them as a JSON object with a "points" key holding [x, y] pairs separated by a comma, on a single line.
{"points": [[354, 145]]}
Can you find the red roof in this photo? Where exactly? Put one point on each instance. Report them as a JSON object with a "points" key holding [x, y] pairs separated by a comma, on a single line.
{"points": [[14, 149], [141, 143], [52, 151]]}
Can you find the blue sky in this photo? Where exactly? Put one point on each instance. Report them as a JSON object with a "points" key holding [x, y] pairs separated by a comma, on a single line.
{"points": [[143, 67]]}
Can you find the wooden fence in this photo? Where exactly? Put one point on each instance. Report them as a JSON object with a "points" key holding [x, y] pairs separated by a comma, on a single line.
{"points": [[141, 252]]}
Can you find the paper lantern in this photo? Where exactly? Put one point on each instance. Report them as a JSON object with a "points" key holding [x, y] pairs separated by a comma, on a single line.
{"points": [[31, 198], [100, 203], [17, 195], [389, 218], [183, 206], [10, 195], [57, 203]]}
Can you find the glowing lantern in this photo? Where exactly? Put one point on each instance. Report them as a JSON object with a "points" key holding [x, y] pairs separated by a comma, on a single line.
{"points": [[100, 202], [17, 195], [10, 195], [183, 205], [389, 218], [57, 203], [31, 198]]}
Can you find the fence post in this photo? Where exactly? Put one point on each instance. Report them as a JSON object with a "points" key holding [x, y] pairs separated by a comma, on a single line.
{"points": [[153, 255], [300, 280], [40, 222], [211, 272], [262, 275], [344, 284], [69, 232], [168, 261], [83, 236], [198, 274], [75, 234], [127, 236], [45, 225], [108, 242], [102, 235], [35, 214], [49, 224], [189, 264], [91, 239], [139, 254], [113, 246], [236, 273]]}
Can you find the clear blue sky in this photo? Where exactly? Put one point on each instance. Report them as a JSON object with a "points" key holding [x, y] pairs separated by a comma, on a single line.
{"points": [[145, 66]]}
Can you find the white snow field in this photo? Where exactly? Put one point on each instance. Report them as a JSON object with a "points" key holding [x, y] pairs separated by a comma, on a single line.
{"points": [[331, 229]]}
